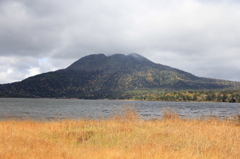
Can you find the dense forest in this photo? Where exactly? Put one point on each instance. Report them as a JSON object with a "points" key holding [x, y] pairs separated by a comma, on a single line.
{"points": [[187, 96]]}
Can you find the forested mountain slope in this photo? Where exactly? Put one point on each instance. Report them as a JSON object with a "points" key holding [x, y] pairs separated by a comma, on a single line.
{"points": [[99, 76]]}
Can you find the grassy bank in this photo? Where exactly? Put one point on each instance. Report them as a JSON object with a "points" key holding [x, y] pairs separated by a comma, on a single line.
{"points": [[121, 137]]}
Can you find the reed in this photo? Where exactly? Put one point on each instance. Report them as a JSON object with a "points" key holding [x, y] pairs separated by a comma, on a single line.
{"points": [[123, 136]]}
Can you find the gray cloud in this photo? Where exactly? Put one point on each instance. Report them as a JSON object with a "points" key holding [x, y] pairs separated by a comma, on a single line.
{"points": [[201, 37]]}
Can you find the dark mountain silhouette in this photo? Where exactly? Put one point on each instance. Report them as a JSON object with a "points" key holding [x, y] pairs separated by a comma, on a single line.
{"points": [[100, 76]]}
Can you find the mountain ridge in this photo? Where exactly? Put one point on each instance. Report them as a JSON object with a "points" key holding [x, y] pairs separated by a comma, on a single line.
{"points": [[100, 76]]}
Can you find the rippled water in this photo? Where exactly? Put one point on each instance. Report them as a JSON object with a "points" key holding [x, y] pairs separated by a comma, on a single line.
{"points": [[22, 108]]}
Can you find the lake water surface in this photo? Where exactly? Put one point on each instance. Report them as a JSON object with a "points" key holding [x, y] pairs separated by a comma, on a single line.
{"points": [[49, 109]]}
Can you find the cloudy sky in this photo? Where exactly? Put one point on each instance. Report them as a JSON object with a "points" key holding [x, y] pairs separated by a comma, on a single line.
{"points": [[198, 36]]}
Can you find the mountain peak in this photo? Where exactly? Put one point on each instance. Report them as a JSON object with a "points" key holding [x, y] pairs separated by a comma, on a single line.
{"points": [[135, 55], [139, 58], [101, 62], [88, 62]]}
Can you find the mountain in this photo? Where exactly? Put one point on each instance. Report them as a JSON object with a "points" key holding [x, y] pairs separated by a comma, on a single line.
{"points": [[100, 76]]}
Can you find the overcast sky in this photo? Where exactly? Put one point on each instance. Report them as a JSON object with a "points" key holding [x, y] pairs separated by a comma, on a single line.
{"points": [[198, 36]]}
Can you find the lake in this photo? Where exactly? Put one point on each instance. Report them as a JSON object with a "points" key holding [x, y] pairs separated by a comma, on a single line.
{"points": [[51, 109]]}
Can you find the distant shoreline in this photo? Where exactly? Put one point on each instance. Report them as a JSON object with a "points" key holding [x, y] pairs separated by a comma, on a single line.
{"points": [[118, 99]]}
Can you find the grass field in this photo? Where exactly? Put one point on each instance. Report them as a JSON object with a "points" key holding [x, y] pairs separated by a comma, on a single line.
{"points": [[121, 137]]}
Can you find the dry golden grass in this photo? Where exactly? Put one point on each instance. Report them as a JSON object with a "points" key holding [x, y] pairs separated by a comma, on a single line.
{"points": [[121, 137]]}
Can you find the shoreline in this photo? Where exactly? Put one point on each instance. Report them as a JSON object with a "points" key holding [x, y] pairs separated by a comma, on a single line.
{"points": [[116, 100]]}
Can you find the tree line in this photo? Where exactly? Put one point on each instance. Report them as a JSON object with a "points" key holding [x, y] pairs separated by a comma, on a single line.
{"points": [[186, 96]]}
